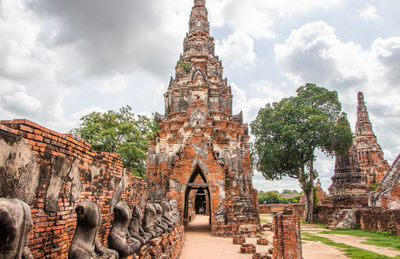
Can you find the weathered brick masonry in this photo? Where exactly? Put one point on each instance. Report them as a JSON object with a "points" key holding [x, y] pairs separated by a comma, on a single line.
{"points": [[294, 209], [387, 196], [167, 246], [351, 202], [365, 218], [287, 237], [53, 172], [362, 167], [200, 138]]}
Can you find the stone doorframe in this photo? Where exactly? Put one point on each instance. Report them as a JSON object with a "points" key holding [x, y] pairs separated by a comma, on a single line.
{"points": [[191, 185]]}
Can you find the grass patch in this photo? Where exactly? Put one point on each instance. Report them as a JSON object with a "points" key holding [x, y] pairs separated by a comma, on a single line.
{"points": [[314, 223], [377, 238], [350, 251], [263, 220]]}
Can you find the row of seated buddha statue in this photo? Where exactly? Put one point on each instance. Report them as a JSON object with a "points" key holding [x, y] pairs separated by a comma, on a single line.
{"points": [[130, 231]]}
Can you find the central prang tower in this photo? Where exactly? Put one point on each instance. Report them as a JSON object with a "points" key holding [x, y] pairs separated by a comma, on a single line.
{"points": [[200, 155]]}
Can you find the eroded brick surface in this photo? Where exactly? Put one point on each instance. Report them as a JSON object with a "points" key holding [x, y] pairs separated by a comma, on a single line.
{"points": [[287, 237], [294, 209], [199, 135], [238, 240], [247, 249], [78, 173], [362, 167]]}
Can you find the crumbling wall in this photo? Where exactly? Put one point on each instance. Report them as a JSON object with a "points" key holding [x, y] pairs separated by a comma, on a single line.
{"points": [[387, 195], [167, 246], [295, 209], [287, 237], [363, 218], [52, 172], [379, 219]]}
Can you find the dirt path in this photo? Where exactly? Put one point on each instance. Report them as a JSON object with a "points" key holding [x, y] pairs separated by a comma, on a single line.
{"points": [[311, 249], [199, 244]]}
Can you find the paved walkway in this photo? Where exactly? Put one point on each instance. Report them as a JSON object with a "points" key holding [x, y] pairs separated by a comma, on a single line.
{"points": [[199, 243]]}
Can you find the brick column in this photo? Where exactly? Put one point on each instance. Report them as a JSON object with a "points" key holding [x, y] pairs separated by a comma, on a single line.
{"points": [[287, 237]]}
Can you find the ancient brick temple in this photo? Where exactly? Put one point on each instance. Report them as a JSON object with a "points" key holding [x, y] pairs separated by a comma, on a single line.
{"points": [[200, 144], [362, 167], [369, 152], [349, 183], [387, 195]]}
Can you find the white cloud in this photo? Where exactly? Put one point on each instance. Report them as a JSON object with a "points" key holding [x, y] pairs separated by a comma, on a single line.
{"points": [[387, 51], [257, 17], [112, 84], [256, 96], [77, 115], [22, 103], [286, 183], [369, 13], [313, 53], [237, 50]]}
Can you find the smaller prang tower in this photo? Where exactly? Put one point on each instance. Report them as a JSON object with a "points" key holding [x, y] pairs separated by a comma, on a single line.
{"points": [[362, 167], [201, 147], [369, 152], [349, 187]]}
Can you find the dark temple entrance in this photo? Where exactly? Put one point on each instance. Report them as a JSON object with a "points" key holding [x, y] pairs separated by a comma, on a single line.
{"points": [[200, 204], [197, 197]]}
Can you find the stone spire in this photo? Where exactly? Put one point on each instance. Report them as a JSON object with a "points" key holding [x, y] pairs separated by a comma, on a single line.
{"points": [[200, 3], [198, 22], [349, 184], [369, 152], [363, 124], [199, 73]]}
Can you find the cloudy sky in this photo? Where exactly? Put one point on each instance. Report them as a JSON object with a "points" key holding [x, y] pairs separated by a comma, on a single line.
{"points": [[62, 59]]}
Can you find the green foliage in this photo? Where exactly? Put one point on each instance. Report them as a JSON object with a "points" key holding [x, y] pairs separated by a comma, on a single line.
{"points": [[377, 238], [294, 199], [289, 192], [374, 187], [274, 197], [350, 251], [120, 132], [187, 67], [269, 197], [287, 134]]}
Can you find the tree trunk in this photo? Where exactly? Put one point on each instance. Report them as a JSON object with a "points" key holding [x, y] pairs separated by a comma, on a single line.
{"points": [[307, 185], [309, 206], [310, 196]]}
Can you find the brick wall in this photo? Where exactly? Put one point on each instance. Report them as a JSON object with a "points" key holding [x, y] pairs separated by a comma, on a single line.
{"points": [[287, 237], [167, 246], [379, 219], [75, 172], [297, 209], [366, 218]]}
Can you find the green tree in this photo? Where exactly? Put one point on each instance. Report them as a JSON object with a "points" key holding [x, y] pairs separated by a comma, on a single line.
{"points": [[288, 133], [294, 199], [271, 197], [120, 132], [289, 191]]}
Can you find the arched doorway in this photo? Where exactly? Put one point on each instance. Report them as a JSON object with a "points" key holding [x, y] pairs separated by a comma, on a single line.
{"points": [[197, 197]]}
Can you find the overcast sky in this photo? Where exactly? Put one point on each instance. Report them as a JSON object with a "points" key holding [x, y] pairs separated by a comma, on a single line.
{"points": [[61, 59]]}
